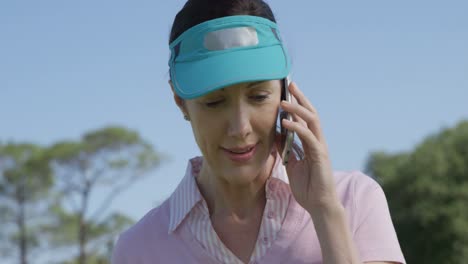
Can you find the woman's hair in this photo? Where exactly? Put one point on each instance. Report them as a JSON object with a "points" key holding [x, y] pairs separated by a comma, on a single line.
{"points": [[195, 12]]}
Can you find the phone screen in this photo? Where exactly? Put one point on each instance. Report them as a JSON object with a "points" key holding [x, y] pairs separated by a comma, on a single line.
{"points": [[287, 137]]}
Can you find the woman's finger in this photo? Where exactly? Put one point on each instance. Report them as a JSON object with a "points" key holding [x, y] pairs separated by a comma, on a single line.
{"points": [[301, 98], [301, 114], [309, 141], [296, 117], [303, 101]]}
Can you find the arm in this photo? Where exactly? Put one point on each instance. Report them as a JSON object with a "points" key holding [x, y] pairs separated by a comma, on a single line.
{"points": [[312, 183], [334, 235], [313, 186]]}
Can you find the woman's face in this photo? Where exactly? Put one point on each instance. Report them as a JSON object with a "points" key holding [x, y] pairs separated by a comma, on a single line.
{"points": [[235, 129]]}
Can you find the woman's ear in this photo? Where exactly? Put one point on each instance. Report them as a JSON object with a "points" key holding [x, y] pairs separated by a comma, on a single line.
{"points": [[178, 100]]}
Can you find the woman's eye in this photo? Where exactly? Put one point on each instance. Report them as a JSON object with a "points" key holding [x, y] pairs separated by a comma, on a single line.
{"points": [[213, 103], [259, 98]]}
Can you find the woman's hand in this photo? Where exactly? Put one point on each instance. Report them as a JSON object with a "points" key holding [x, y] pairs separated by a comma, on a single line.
{"points": [[311, 179]]}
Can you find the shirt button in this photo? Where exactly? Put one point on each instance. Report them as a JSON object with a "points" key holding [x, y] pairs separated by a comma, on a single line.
{"points": [[265, 240], [270, 215]]}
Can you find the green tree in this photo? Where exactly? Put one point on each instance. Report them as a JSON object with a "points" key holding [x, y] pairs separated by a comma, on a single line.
{"points": [[113, 158], [100, 235], [427, 192], [25, 181]]}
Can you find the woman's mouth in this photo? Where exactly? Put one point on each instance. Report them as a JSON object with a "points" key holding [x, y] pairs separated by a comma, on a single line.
{"points": [[241, 154]]}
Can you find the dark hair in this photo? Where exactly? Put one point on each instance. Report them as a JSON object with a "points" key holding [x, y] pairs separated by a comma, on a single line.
{"points": [[195, 12]]}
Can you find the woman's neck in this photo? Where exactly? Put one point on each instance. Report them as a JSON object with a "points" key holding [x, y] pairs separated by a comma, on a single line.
{"points": [[234, 201]]}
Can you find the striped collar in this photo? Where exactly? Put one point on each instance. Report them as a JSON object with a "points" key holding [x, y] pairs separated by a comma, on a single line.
{"points": [[187, 194]]}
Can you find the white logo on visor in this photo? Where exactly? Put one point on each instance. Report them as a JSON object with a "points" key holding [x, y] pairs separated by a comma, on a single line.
{"points": [[231, 38]]}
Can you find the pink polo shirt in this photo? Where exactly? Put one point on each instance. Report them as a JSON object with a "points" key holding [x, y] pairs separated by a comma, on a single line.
{"points": [[193, 210], [166, 234]]}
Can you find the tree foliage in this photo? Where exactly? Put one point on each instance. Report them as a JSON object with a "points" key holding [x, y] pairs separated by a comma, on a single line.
{"points": [[427, 192], [25, 181], [112, 157], [47, 194]]}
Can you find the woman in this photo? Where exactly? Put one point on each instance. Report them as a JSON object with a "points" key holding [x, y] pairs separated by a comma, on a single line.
{"points": [[237, 203]]}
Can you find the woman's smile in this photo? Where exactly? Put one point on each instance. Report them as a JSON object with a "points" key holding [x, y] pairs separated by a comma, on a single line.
{"points": [[241, 154]]}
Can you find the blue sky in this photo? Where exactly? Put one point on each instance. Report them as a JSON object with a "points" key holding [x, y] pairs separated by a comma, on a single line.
{"points": [[382, 74]]}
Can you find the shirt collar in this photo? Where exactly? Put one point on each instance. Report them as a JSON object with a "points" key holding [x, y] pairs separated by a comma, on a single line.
{"points": [[187, 194]]}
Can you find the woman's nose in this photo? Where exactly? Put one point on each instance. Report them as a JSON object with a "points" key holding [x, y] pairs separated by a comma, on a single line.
{"points": [[239, 123]]}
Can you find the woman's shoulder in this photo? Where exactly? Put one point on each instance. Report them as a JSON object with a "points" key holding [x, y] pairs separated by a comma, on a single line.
{"points": [[369, 216], [150, 229], [355, 188], [363, 199], [354, 181]]}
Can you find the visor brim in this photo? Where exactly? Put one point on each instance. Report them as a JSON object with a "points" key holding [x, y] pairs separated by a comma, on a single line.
{"points": [[196, 78]]}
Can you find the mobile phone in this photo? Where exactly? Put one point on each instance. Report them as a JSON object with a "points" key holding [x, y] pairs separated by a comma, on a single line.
{"points": [[287, 137]]}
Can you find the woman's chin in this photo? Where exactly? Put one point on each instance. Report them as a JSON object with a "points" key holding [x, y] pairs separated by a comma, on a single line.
{"points": [[241, 172]]}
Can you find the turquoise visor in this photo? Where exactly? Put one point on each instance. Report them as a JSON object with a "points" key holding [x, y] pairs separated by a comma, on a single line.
{"points": [[226, 51]]}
